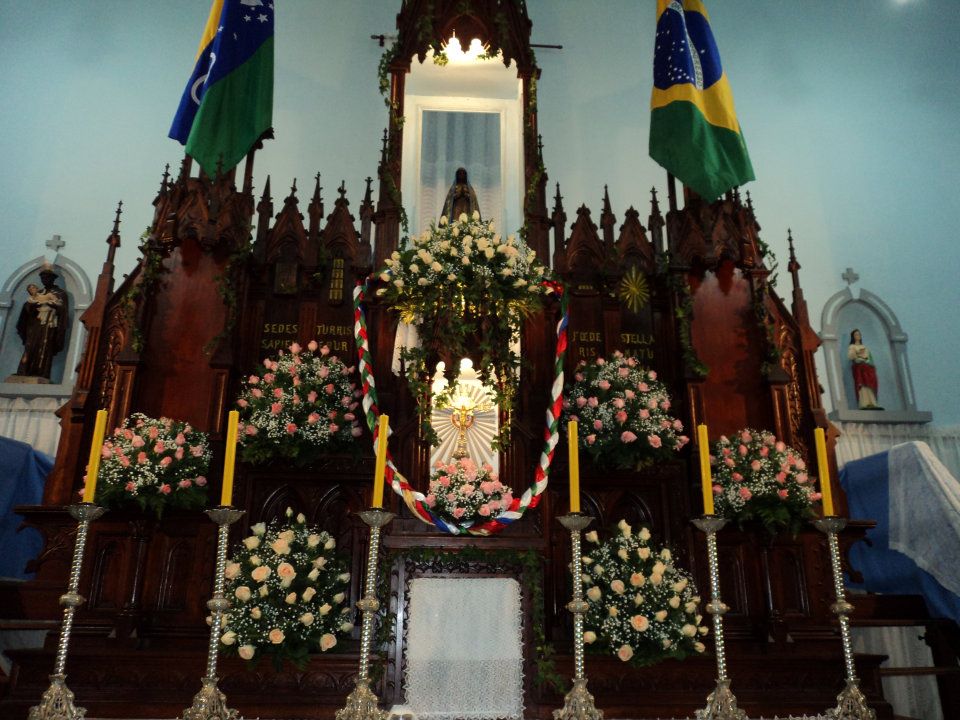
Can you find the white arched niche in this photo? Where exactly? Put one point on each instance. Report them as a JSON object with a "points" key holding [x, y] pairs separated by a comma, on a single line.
{"points": [[467, 113], [887, 341]]}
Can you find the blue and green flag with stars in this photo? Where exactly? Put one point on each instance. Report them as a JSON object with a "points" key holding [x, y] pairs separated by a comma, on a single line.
{"points": [[694, 132], [228, 102]]}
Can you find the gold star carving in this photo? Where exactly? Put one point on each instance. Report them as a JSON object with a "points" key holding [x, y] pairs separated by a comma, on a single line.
{"points": [[634, 291]]}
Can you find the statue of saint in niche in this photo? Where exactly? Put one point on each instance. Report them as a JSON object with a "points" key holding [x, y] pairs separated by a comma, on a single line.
{"points": [[42, 326], [864, 372], [460, 198]]}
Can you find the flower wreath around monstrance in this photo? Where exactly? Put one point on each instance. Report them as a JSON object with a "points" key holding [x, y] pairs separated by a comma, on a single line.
{"points": [[467, 291]]}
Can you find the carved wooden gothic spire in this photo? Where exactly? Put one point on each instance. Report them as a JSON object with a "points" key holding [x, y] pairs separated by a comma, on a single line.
{"points": [[655, 222], [315, 210], [559, 222]]}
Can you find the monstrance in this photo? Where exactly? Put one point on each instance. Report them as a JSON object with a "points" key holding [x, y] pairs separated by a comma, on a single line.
{"points": [[465, 419]]}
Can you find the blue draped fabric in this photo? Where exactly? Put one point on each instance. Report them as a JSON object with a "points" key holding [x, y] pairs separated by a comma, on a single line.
{"points": [[867, 485], [23, 472]]}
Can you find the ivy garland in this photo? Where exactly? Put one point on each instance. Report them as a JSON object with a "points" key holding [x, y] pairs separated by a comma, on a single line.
{"points": [[683, 313], [531, 564], [227, 290], [151, 266], [765, 321]]}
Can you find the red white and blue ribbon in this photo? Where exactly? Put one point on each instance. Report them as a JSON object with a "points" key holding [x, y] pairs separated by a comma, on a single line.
{"points": [[551, 434]]}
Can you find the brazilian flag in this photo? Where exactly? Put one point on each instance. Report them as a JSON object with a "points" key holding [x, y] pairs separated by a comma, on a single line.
{"points": [[228, 102], [694, 132]]}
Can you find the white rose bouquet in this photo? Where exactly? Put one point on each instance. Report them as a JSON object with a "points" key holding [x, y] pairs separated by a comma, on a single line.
{"points": [[303, 404], [289, 593], [154, 463], [757, 478], [623, 412], [643, 608]]}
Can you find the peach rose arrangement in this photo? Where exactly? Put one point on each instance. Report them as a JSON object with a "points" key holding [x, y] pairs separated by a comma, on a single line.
{"points": [[289, 593], [153, 463], [642, 607], [758, 479], [304, 403], [623, 412]]}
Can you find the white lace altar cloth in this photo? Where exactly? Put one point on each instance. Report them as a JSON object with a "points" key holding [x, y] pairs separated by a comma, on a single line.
{"points": [[925, 512], [464, 649]]}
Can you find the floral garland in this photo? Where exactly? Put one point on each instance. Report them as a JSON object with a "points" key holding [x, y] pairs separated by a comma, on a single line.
{"points": [[760, 479], [468, 290], [289, 593], [623, 410], [415, 500], [303, 405], [462, 491], [154, 464], [642, 608]]}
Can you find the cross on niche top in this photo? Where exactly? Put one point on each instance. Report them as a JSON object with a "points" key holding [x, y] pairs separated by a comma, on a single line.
{"points": [[55, 243], [850, 276]]}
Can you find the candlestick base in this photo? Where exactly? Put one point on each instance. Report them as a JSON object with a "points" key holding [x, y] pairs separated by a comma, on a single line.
{"points": [[209, 704], [851, 705], [575, 521], [57, 703], [721, 704], [578, 704], [361, 704]]}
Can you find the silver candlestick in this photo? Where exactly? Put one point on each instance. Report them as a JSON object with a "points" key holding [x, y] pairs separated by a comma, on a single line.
{"points": [[362, 702], [57, 701], [851, 704], [721, 703], [578, 703], [210, 703]]}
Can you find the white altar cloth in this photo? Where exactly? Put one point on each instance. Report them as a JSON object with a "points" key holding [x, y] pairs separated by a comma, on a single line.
{"points": [[464, 656]]}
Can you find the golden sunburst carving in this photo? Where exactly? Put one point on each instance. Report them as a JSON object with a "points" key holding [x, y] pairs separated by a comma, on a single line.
{"points": [[634, 291]]}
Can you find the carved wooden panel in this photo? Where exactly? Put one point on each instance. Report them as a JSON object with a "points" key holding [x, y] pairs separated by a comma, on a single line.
{"points": [[187, 314], [726, 338]]}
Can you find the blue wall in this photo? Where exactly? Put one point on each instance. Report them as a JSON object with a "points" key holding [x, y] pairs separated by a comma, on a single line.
{"points": [[849, 109]]}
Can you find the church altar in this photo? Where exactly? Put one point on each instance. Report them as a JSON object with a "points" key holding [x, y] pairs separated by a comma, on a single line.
{"points": [[687, 292]]}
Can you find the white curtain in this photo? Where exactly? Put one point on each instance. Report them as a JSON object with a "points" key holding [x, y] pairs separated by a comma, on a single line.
{"points": [[859, 440], [460, 139], [464, 649], [911, 696], [32, 420]]}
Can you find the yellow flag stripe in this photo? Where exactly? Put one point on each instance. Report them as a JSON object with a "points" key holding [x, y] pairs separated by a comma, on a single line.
{"points": [[688, 6], [715, 102], [210, 29]]}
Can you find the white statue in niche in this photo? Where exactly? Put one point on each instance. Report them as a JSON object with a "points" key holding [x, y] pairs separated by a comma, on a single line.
{"points": [[864, 372]]}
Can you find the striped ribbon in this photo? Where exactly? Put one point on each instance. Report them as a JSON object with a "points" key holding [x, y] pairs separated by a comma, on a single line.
{"points": [[551, 434]]}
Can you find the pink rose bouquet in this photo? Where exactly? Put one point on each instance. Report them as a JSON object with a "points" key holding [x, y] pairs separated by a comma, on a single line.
{"points": [[154, 464], [642, 607], [465, 492], [757, 479], [301, 404], [623, 413], [289, 592]]}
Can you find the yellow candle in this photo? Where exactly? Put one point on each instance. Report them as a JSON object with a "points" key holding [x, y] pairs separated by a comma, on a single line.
{"points": [[381, 467], [824, 469], [705, 480], [574, 455], [229, 458], [93, 464]]}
